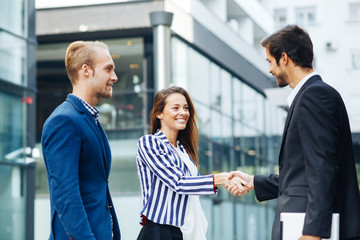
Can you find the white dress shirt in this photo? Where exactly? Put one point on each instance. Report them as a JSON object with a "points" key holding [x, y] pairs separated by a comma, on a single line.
{"points": [[195, 224], [295, 91]]}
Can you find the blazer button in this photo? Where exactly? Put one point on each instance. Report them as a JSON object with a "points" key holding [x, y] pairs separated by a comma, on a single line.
{"points": [[108, 206]]}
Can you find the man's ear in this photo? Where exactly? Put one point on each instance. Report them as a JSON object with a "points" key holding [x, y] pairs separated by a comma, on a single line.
{"points": [[85, 70], [284, 58]]}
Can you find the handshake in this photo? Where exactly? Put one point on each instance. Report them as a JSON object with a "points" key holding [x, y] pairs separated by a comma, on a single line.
{"points": [[237, 183]]}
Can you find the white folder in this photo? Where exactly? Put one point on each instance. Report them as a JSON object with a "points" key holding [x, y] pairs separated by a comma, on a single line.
{"points": [[293, 223]]}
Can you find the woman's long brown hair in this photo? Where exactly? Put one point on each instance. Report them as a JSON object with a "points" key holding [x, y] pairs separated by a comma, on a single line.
{"points": [[188, 137]]}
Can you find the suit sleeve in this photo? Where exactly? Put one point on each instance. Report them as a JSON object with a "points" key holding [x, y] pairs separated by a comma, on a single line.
{"points": [[318, 128], [266, 187], [61, 144], [151, 152]]}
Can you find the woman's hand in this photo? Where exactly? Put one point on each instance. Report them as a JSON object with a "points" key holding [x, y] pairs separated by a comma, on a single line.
{"points": [[222, 178], [230, 181]]}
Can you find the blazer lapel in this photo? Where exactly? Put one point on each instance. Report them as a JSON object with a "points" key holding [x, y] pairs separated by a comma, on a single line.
{"points": [[177, 158], [106, 149], [90, 120], [291, 110]]}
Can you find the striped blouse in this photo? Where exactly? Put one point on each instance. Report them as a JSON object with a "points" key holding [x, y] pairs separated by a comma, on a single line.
{"points": [[165, 180]]}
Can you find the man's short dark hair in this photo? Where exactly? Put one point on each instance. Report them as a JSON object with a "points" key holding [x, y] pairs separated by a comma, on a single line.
{"points": [[294, 41]]}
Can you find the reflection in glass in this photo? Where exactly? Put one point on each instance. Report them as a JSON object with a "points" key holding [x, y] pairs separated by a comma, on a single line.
{"points": [[11, 127], [227, 130], [226, 103], [13, 15], [13, 54], [215, 87], [237, 99], [203, 113], [249, 103], [12, 203], [122, 111], [198, 81], [204, 156], [123, 176], [180, 63], [216, 126]]}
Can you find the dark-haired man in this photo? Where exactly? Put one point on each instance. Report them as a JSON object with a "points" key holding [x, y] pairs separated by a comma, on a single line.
{"points": [[317, 169]]}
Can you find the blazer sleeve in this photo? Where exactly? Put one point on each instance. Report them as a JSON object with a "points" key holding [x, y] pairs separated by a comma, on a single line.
{"points": [[319, 125], [153, 153], [61, 144], [266, 187]]}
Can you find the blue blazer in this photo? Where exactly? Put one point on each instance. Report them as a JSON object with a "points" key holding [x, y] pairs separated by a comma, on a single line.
{"points": [[78, 158]]}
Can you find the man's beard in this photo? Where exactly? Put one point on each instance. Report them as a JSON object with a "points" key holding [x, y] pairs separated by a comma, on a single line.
{"points": [[281, 80]]}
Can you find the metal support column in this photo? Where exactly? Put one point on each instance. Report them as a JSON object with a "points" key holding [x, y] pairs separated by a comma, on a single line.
{"points": [[161, 22]]}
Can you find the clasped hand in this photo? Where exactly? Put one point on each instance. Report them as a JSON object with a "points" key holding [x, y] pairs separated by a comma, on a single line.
{"points": [[237, 183]]}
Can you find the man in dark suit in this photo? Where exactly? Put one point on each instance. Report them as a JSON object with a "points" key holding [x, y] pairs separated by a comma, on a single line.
{"points": [[76, 150], [317, 172]]}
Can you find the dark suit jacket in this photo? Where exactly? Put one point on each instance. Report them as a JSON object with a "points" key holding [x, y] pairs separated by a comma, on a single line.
{"points": [[317, 170], [77, 158]]}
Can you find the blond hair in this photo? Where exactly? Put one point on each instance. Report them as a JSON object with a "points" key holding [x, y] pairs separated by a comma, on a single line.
{"points": [[79, 53]]}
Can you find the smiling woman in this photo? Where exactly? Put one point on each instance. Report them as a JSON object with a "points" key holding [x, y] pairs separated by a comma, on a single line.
{"points": [[167, 162]]}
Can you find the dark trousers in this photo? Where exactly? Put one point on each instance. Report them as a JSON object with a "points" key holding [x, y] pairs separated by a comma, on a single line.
{"points": [[155, 231]]}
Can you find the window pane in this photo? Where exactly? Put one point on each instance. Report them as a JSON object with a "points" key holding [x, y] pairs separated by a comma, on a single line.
{"points": [[260, 126], [123, 176], [300, 18], [311, 18], [237, 99], [216, 126], [198, 81], [280, 17], [179, 63], [11, 127], [226, 129], [226, 93], [354, 12], [249, 103], [12, 203], [215, 83], [203, 113], [12, 16], [13, 54], [204, 156], [355, 59], [306, 16]]}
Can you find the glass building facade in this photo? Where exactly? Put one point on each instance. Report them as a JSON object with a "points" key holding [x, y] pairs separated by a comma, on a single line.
{"points": [[239, 130], [17, 114]]}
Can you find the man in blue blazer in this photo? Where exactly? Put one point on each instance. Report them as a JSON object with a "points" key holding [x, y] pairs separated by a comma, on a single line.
{"points": [[76, 150], [317, 172]]}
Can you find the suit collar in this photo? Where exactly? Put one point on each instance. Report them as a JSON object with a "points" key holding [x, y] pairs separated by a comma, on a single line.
{"points": [[297, 88], [291, 110], [305, 85], [76, 102]]}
